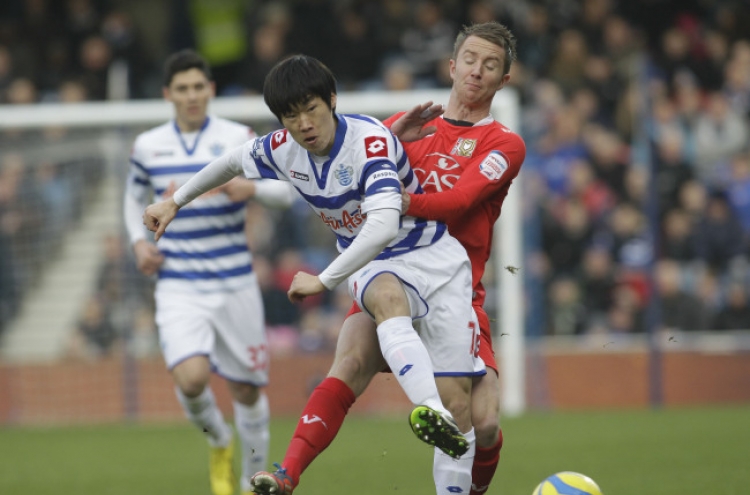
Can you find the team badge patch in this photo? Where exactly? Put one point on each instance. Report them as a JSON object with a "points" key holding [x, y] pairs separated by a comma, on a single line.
{"points": [[464, 147], [494, 166], [344, 174], [376, 146], [217, 149], [278, 138]]}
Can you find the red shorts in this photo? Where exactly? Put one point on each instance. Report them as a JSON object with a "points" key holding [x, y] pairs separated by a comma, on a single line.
{"points": [[486, 351]]}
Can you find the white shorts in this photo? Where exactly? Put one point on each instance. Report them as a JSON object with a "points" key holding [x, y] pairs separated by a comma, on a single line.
{"points": [[437, 280], [227, 327]]}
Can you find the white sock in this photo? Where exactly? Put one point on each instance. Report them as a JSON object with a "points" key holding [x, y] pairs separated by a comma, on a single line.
{"points": [[204, 413], [409, 361], [251, 423], [454, 475]]}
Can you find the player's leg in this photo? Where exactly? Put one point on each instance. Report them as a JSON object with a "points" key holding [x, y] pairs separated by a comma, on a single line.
{"points": [[240, 356], [356, 361], [485, 406], [401, 346], [192, 376], [251, 420], [454, 475], [485, 411]]}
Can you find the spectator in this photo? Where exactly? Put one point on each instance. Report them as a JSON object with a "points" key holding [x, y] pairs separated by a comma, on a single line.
{"points": [[680, 310], [736, 314]]}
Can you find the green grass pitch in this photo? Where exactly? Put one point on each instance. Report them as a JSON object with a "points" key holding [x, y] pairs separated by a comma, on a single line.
{"points": [[660, 452]]}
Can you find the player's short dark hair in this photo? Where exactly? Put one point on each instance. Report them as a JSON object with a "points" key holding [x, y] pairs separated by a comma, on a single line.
{"points": [[185, 60], [495, 33], [295, 81]]}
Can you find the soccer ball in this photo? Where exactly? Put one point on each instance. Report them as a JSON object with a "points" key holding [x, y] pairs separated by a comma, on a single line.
{"points": [[567, 483]]}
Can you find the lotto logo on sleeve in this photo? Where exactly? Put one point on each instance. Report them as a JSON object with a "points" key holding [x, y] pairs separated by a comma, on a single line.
{"points": [[375, 146], [494, 166], [278, 138]]}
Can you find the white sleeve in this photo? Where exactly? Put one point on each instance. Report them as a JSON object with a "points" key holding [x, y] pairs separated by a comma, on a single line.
{"points": [[380, 228], [133, 212], [274, 193], [216, 173]]}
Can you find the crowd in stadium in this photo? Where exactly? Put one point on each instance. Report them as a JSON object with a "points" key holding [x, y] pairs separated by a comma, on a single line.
{"points": [[635, 114]]}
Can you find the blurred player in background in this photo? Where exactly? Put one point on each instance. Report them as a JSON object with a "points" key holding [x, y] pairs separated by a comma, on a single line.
{"points": [[208, 304], [350, 169], [466, 168]]}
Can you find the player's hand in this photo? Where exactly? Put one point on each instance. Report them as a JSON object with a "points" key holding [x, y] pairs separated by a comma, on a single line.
{"points": [[238, 189], [405, 201], [158, 215], [411, 125], [148, 258], [303, 285]]}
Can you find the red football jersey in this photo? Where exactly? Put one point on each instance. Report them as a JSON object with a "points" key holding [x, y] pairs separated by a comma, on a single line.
{"points": [[474, 167]]}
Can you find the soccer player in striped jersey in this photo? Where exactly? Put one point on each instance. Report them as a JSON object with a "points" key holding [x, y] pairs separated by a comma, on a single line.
{"points": [[465, 163], [400, 269], [208, 304]]}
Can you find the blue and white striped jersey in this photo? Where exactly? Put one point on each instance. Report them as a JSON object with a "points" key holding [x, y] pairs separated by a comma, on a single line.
{"points": [[364, 172], [206, 248]]}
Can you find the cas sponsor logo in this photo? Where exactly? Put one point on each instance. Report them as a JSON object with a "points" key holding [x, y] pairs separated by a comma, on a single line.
{"points": [[464, 147], [376, 146], [163, 153], [299, 176], [348, 220], [435, 176], [278, 138], [494, 165]]}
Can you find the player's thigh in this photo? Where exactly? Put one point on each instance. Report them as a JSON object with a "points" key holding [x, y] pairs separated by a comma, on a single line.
{"points": [[184, 324], [358, 357], [240, 353], [384, 297]]}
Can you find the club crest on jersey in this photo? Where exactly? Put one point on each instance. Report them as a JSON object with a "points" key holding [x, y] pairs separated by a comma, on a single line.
{"points": [[376, 146], [493, 166], [278, 138], [464, 147], [217, 149], [344, 174]]}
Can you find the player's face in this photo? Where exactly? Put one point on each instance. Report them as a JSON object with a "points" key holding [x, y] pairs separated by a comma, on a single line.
{"points": [[190, 92], [312, 125], [477, 71]]}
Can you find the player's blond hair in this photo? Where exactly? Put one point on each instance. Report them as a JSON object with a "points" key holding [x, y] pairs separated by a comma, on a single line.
{"points": [[495, 33]]}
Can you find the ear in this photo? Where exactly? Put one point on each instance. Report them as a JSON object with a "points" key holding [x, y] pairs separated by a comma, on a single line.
{"points": [[165, 93], [503, 81], [333, 101], [212, 87], [452, 65]]}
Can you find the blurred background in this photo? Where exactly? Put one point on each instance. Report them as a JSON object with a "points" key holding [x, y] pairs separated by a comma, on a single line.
{"points": [[636, 192]]}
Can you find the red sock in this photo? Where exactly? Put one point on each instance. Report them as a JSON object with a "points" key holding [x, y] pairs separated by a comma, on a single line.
{"points": [[321, 420], [485, 464]]}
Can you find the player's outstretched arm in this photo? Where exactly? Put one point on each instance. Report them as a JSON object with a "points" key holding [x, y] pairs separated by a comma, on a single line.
{"points": [[158, 215], [412, 125]]}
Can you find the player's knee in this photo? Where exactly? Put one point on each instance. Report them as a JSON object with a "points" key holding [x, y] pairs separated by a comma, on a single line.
{"points": [[487, 430], [244, 393], [354, 370], [192, 386]]}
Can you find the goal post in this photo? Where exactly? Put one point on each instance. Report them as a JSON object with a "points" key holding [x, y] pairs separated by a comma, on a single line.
{"points": [[111, 116]]}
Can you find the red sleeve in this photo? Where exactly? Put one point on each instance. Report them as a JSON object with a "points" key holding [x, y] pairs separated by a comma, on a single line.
{"points": [[473, 187]]}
